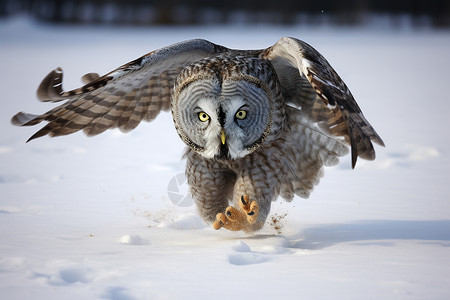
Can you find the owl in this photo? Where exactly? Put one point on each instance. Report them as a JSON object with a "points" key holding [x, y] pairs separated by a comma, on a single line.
{"points": [[258, 124]]}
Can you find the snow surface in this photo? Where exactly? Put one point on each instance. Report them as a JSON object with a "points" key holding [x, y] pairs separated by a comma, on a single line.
{"points": [[90, 218]]}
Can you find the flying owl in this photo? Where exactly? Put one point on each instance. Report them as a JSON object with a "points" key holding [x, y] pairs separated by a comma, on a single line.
{"points": [[258, 124]]}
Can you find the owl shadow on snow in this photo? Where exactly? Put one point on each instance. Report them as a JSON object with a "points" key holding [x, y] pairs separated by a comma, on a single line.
{"points": [[377, 232]]}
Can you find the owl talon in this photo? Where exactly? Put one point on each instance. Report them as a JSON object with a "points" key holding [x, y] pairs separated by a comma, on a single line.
{"points": [[252, 216], [244, 199], [234, 215], [237, 219], [220, 221], [245, 203], [228, 221]]}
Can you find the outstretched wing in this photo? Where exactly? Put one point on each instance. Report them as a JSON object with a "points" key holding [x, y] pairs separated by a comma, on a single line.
{"points": [[136, 91], [309, 81]]}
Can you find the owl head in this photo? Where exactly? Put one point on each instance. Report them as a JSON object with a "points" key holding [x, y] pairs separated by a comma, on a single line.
{"points": [[223, 107]]}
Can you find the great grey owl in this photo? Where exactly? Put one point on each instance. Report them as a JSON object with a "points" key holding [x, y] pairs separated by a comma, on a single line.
{"points": [[258, 123]]}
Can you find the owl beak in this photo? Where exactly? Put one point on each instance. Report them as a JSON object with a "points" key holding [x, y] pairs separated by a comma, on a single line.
{"points": [[223, 137]]}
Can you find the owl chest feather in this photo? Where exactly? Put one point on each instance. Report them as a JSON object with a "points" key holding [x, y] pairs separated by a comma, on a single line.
{"points": [[273, 163]]}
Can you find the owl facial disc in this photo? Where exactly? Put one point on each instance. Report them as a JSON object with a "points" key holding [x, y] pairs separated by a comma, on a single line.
{"points": [[223, 119]]}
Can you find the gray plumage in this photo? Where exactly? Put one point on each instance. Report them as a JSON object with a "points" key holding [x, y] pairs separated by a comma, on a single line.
{"points": [[258, 123]]}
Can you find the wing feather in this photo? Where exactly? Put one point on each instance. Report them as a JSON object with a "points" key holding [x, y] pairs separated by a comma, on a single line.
{"points": [[302, 71], [140, 89], [136, 91]]}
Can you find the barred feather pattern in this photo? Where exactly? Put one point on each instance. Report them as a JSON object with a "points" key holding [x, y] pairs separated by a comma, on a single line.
{"points": [[122, 98], [296, 63], [216, 184], [314, 149], [296, 116], [290, 165], [106, 107]]}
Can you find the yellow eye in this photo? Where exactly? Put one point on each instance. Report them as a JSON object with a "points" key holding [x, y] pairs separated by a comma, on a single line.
{"points": [[203, 116], [241, 114]]}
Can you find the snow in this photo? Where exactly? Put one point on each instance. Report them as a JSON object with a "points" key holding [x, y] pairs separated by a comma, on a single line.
{"points": [[93, 217]]}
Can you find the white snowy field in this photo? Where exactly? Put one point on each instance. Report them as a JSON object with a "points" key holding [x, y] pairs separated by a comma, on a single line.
{"points": [[90, 218]]}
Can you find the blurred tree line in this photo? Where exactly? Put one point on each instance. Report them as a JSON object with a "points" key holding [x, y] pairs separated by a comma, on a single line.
{"points": [[434, 13]]}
